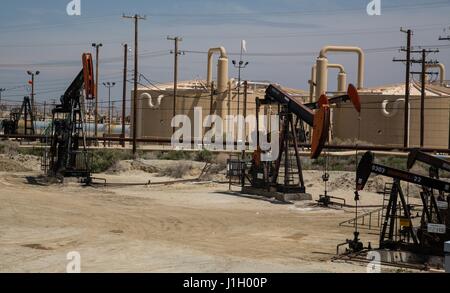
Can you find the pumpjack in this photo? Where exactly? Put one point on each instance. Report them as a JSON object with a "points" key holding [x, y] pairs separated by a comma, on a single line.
{"points": [[67, 155], [266, 177], [398, 230], [11, 126], [435, 206]]}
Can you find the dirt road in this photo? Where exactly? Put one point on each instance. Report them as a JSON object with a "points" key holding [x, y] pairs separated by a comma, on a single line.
{"points": [[179, 228]]}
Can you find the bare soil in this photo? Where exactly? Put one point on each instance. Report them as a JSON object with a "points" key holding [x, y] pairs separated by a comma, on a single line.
{"points": [[186, 227]]}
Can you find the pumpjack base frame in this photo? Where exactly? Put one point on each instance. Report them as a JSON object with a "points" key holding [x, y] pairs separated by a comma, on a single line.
{"points": [[285, 197], [396, 258]]}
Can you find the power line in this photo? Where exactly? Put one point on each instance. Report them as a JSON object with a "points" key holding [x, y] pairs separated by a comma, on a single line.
{"points": [[304, 12], [312, 53], [64, 63]]}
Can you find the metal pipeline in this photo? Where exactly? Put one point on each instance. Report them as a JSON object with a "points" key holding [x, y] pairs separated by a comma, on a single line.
{"points": [[342, 79], [168, 141], [148, 100], [441, 71], [222, 69], [322, 67]]}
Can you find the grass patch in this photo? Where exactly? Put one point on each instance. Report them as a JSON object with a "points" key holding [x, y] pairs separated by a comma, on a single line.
{"points": [[349, 164], [178, 171], [102, 160], [204, 156], [174, 155], [334, 164], [38, 152], [8, 147], [393, 162]]}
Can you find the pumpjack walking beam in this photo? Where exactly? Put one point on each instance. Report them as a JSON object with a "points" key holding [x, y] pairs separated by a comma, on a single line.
{"points": [[367, 166], [352, 96], [319, 120], [417, 155]]}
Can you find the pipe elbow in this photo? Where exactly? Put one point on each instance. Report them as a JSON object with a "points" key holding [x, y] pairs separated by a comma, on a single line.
{"points": [[149, 100], [326, 49], [338, 66], [395, 108], [221, 50]]}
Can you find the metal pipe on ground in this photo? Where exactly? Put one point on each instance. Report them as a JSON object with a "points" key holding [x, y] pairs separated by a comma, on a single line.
{"points": [[167, 141]]}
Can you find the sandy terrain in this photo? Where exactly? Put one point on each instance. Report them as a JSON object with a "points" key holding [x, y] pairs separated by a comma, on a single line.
{"points": [[176, 228]]}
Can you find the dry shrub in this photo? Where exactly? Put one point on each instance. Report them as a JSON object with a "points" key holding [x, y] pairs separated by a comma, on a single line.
{"points": [[178, 171]]}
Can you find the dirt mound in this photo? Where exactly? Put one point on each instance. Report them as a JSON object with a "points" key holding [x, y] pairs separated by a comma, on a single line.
{"points": [[19, 163], [346, 181], [128, 165], [170, 168], [7, 165], [28, 161], [375, 184], [8, 147]]}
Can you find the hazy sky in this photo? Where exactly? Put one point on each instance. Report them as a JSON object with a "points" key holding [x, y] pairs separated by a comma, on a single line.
{"points": [[283, 38]]}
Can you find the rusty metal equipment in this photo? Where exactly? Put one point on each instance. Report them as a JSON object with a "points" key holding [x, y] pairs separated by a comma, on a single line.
{"points": [[352, 95], [284, 174], [265, 175], [67, 155], [11, 126], [399, 230]]}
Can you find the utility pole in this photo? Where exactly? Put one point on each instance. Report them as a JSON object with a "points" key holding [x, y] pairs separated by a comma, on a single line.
{"points": [[1, 108], [241, 65], [97, 49], [112, 111], [447, 38], [423, 73], [175, 52], [407, 85], [124, 93], [422, 98], [109, 85], [1, 91], [245, 115], [136, 18], [32, 74]]}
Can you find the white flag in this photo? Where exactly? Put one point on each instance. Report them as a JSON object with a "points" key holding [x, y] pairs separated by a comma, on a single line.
{"points": [[244, 46]]}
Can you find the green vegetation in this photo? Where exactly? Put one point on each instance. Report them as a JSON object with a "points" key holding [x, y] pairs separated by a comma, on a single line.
{"points": [[334, 163], [204, 156], [174, 155], [349, 164], [38, 152], [393, 162], [102, 160]]}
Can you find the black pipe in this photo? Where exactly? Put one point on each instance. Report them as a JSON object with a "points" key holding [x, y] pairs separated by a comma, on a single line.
{"points": [[168, 141]]}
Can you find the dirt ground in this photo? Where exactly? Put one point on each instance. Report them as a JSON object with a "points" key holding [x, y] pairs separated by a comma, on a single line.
{"points": [[175, 228]]}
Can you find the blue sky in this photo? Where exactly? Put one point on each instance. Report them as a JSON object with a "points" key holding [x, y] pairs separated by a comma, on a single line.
{"points": [[39, 35]]}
